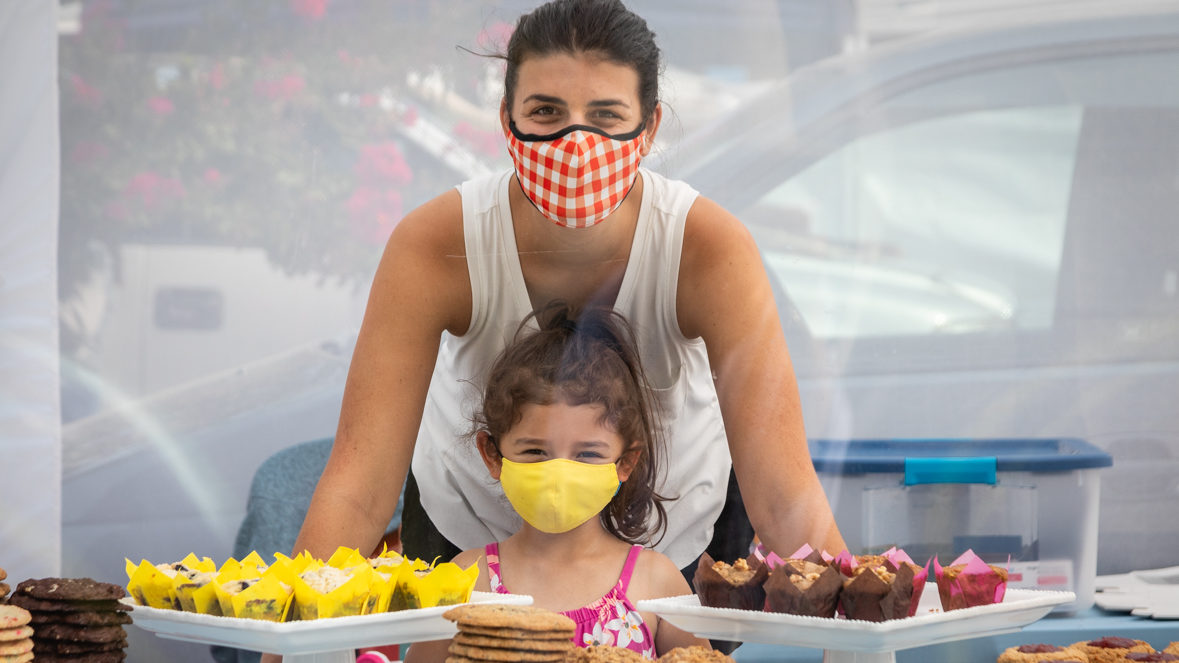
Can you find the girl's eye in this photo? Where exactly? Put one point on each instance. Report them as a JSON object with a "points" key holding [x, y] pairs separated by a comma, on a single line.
{"points": [[533, 452], [590, 454]]}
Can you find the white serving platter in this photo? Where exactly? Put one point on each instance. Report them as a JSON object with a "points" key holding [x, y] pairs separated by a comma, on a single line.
{"points": [[929, 626], [311, 636]]}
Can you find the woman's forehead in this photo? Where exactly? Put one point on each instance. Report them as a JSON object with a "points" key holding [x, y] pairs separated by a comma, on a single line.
{"points": [[576, 76]]}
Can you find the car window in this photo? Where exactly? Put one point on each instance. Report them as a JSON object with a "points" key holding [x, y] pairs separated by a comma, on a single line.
{"points": [[936, 231], [948, 225]]}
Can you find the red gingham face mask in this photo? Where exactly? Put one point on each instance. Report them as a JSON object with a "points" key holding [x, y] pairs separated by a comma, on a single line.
{"points": [[579, 175]]}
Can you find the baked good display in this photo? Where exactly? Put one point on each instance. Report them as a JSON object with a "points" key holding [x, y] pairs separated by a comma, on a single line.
{"points": [[738, 585], [969, 581], [694, 654], [802, 587], [1109, 649], [497, 632], [300, 587], [1031, 653], [74, 618]]}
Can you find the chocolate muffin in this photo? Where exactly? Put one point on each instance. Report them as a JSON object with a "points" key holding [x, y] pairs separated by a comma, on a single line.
{"points": [[737, 585]]}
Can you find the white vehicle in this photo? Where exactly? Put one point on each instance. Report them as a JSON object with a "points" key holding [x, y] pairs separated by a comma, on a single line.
{"points": [[973, 234]]}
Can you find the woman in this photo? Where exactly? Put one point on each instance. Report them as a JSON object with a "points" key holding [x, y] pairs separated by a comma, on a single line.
{"points": [[461, 272]]}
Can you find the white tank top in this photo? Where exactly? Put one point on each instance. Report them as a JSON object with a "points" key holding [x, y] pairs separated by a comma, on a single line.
{"points": [[464, 502]]}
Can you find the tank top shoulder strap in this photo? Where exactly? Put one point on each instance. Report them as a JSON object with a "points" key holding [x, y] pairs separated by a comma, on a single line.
{"points": [[628, 568], [491, 551]]}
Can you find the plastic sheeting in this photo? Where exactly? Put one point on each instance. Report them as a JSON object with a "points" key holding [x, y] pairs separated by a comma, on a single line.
{"points": [[30, 429]]}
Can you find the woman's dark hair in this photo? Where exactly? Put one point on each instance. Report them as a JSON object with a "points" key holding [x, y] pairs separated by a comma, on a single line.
{"points": [[575, 26], [587, 359]]}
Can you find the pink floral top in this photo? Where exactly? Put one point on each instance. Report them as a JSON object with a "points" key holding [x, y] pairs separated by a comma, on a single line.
{"points": [[611, 620]]}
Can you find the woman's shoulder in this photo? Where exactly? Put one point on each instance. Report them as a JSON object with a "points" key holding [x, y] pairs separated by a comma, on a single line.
{"points": [[438, 220]]}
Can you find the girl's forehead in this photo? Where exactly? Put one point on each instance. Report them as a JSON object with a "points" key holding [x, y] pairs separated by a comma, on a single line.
{"points": [[586, 74]]}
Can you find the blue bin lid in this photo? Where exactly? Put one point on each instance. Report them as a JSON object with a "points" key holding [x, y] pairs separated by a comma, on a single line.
{"points": [[863, 456]]}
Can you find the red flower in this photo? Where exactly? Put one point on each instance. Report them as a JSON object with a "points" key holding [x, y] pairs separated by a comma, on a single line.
{"points": [[87, 94], [495, 36], [161, 105], [282, 89], [311, 9], [382, 165], [152, 190]]}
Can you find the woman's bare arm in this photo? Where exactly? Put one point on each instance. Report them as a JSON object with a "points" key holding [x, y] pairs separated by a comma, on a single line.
{"points": [[421, 288], [724, 297]]}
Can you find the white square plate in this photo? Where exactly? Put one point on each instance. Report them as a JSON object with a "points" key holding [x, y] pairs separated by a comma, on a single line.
{"points": [[930, 625], [311, 636]]}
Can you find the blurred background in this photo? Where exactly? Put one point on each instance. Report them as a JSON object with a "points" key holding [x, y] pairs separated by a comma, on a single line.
{"points": [[968, 208]]}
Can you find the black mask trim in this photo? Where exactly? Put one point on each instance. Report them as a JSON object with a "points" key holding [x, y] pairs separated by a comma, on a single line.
{"points": [[529, 138]]}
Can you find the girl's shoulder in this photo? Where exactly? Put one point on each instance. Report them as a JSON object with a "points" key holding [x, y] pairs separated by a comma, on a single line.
{"points": [[656, 576]]}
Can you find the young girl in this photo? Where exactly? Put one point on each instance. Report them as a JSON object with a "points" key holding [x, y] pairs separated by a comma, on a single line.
{"points": [[567, 426]]}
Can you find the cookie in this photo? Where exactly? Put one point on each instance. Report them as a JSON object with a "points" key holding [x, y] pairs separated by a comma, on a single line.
{"points": [[4, 589], [70, 589], [1172, 648], [81, 633], [81, 618], [1031, 653], [30, 603], [522, 617], [496, 632], [493, 642], [17, 633], [75, 647], [12, 616], [494, 654], [97, 657], [694, 654], [1111, 649], [19, 658], [14, 647], [603, 654]]}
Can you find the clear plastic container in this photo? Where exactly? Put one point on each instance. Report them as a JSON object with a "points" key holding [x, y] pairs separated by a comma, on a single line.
{"points": [[1030, 505]]}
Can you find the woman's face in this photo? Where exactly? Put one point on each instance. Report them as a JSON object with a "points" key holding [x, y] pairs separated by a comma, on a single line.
{"points": [[558, 90]]}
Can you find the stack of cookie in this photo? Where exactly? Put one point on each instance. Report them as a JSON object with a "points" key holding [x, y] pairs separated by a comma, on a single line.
{"points": [[75, 619], [16, 643], [490, 633]]}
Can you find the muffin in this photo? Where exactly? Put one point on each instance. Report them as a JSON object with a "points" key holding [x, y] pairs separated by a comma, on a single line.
{"points": [[801, 587], [1041, 652], [1172, 648], [1111, 649], [877, 590], [737, 585], [969, 582]]}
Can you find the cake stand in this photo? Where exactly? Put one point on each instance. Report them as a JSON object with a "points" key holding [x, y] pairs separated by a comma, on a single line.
{"points": [[331, 640], [854, 641]]}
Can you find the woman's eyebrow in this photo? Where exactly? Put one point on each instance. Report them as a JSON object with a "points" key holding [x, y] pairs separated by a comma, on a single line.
{"points": [[608, 102], [545, 99]]}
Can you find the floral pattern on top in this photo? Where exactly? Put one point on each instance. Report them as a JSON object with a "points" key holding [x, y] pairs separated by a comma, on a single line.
{"points": [[611, 620]]}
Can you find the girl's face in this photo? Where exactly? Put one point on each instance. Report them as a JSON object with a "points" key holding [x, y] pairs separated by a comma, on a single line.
{"points": [[558, 90], [572, 432]]}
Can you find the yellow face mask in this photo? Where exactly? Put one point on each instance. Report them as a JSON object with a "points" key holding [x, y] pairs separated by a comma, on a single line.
{"points": [[554, 496]]}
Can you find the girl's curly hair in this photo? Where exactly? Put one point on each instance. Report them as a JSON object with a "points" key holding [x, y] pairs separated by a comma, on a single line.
{"points": [[586, 358]]}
